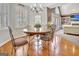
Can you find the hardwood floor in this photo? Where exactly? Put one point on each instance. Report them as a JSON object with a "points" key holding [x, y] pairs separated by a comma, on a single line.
{"points": [[59, 46]]}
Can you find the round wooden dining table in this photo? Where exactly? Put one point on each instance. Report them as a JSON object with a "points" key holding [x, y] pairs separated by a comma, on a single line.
{"points": [[37, 33], [32, 32]]}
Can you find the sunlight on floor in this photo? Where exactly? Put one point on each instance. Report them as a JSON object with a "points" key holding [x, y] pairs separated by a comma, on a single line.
{"points": [[56, 45], [19, 51]]}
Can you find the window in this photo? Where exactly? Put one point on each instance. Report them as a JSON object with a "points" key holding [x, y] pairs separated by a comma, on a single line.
{"points": [[21, 16], [4, 15], [38, 19]]}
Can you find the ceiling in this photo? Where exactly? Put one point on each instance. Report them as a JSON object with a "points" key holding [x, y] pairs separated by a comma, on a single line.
{"points": [[50, 5]]}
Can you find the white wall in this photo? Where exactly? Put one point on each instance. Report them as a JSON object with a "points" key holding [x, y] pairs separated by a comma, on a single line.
{"points": [[4, 35]]}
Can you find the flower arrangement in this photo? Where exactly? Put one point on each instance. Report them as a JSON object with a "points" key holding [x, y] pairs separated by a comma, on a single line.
{"points": [[37, 25], [49, 24]]}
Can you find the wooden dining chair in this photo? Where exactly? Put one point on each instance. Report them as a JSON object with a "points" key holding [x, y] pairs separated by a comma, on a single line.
{"points": [[16, 42], [48, 37]]}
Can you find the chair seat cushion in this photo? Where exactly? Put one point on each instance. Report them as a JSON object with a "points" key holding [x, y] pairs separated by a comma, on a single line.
{"points": [[20, 42], [44, 38]]}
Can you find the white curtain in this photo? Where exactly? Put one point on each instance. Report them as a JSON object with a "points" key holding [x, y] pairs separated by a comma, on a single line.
{"points": [[4, 15], [21, 16], [56, 19]]}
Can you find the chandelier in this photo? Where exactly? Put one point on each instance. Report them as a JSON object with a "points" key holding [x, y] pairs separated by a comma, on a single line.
{"points": [[37, 8]]}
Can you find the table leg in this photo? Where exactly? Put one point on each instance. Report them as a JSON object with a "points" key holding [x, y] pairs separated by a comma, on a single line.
{"points": [[49, 48], [37, 44], [28, 46]]}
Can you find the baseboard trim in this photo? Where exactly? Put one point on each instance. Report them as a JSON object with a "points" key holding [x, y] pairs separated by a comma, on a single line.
{"points": [[3, 43], [72, 34]]}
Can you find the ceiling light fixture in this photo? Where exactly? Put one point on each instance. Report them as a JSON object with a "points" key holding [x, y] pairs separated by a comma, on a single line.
{"points": [[37, 8]]}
